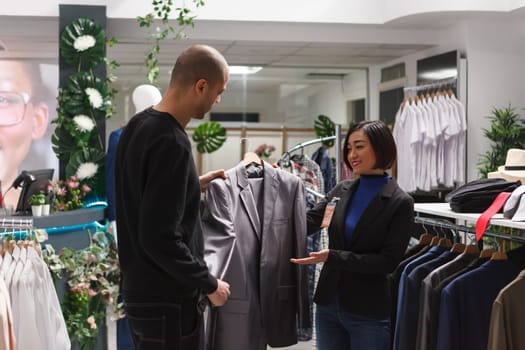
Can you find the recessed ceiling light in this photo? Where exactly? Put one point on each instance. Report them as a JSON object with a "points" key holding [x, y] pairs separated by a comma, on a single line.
{"points": [[243, 70]]}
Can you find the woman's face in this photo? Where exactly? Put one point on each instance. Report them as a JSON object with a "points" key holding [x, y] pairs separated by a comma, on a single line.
{"points": [[361, 154], [15, 140]]}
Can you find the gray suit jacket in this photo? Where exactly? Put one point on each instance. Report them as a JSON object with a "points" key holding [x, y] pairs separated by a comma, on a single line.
{"points": [[252, 254]]}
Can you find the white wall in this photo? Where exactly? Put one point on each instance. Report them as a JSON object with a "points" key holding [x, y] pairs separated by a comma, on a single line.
{"points": [[496, 75], [331, 102], [496, 78]]}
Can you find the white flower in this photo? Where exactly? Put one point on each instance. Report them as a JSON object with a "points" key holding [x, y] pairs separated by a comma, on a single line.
{"points": [[83, 123], [84, 42], [86, 170], [95, 98]]}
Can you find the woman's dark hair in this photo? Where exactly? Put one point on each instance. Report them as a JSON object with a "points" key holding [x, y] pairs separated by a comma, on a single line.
{"points": [[381, 140]]}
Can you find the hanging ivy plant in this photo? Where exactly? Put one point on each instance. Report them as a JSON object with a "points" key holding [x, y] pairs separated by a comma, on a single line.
{"points": [[83, 43], [163, 9], [209, 137]]}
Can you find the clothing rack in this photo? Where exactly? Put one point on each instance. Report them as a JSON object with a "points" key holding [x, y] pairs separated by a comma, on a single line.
{"points": [[14, 223], [336, 137], [455, 227], [435, 85], [315, 193], [19, 228]]}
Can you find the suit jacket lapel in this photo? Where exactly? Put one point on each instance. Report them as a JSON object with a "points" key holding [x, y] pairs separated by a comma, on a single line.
{"points": [[271, 184], [246, 195], [374, 208], [338, 221]]}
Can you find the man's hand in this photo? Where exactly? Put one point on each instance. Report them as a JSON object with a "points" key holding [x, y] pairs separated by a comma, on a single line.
{"points": [[314, 258], [205, 179], [221, 294]]}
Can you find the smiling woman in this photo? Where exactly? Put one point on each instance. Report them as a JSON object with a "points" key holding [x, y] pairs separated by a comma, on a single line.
{"points": [[24, 120]]}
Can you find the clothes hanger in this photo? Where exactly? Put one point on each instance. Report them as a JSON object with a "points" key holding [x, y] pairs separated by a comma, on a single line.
{"points": [[458, 248], [425, 238], [444, 241], [500, 254], [486, 253], [471, 249], [251, 157]]}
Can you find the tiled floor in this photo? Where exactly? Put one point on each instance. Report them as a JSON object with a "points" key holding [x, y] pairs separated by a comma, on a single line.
{"points": [[302, 345]]}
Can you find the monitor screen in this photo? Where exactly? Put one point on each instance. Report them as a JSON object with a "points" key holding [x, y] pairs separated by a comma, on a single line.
{"points": [[41, 178]]}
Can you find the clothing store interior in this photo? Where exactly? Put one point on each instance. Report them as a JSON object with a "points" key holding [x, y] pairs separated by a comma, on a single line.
{"points": [[445, 77]]}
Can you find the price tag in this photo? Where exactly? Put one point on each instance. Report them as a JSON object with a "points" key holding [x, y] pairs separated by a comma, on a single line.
{"points": [[329, 212]]}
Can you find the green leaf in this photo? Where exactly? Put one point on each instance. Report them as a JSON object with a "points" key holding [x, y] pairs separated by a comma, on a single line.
{"points": [[324, 127], [507, 130], [90, 57], [89, 155], [209, 137], [76, 100]]}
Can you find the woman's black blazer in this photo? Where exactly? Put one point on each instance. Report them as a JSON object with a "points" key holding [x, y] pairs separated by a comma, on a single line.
{"points": [[359, 272]]}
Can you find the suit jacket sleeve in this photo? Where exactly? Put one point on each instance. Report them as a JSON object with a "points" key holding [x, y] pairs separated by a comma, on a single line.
{"points": [[219, 231], [315, 215]]}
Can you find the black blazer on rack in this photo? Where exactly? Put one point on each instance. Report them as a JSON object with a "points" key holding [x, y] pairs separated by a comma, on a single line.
{"points": [[377, 246]]}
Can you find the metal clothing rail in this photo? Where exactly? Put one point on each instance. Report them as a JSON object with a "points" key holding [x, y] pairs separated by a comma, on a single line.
{"points": [[434, 85], [18, 228], [447, 225], [336, 137], [315, 193], [15, 223]]}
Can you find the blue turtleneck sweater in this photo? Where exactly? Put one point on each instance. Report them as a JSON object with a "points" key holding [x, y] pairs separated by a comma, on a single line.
{"points": [[368, 187]]}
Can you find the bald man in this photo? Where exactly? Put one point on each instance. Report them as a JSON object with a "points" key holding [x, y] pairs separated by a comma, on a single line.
{"points": [[157, 199], [24, 118]]}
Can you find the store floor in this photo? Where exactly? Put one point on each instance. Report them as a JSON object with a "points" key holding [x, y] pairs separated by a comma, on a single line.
{"points": [[302, 345]]}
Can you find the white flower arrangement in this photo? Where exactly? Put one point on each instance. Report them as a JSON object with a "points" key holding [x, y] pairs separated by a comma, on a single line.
{"points": [[87, 170], [95, 98], [84, 42], [83, 123]]}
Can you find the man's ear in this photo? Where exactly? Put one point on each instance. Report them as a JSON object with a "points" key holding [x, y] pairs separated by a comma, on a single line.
{"points": [[200, 85], [40, 120]]}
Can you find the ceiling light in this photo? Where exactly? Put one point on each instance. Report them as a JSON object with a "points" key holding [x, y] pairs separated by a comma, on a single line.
{"points": [[439, 74], [243, 70]]}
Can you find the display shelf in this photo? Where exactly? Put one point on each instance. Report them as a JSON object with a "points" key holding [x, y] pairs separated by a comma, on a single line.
{"points": [[443, 209]]}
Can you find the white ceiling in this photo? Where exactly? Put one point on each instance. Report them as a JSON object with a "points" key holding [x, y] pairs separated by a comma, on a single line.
{"points": [[301, 48]]}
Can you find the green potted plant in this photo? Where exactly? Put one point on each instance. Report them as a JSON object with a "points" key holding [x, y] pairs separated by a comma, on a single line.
{"points": [[37, 201], [507, 130]]}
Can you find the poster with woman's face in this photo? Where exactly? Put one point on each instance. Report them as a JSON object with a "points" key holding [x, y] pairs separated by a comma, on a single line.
{"points": [[28, 91]]}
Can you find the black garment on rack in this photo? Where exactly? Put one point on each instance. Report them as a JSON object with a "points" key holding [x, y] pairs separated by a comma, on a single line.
{"points": [[476, 196], [411, 254], [517, 256]]}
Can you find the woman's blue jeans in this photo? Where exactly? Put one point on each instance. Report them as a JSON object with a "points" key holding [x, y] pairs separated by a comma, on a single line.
{"points": [[337, 329]]}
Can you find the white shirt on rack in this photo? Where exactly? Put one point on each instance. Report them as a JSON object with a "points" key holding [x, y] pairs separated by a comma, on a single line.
{"points": [[49, 316]]}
